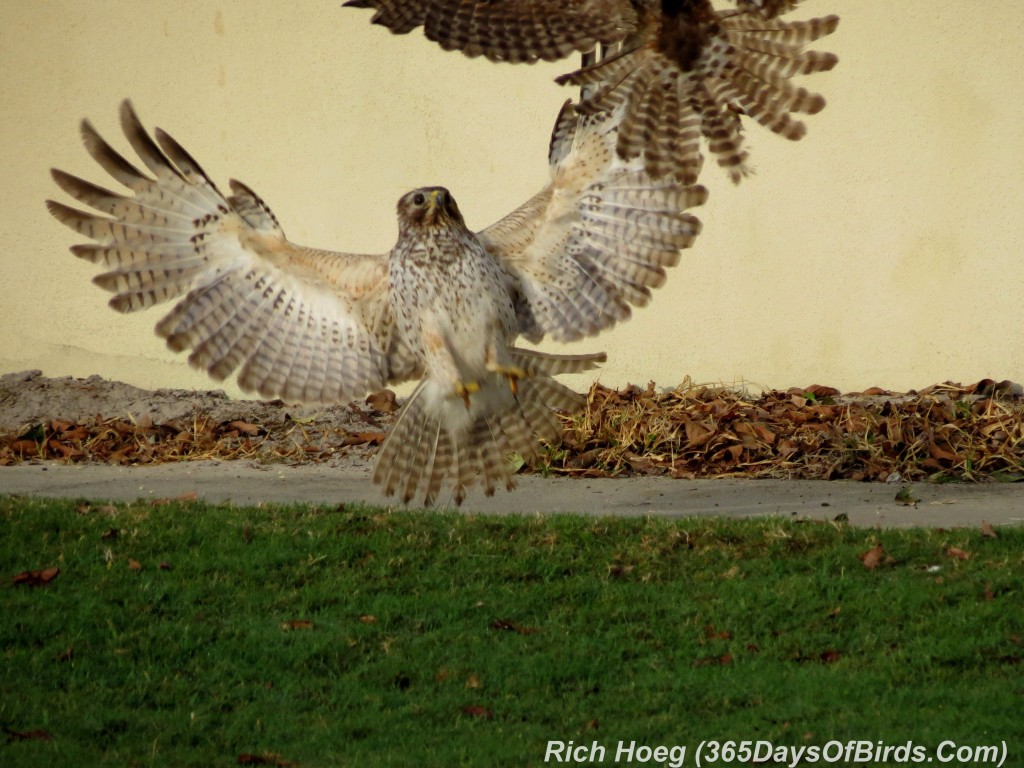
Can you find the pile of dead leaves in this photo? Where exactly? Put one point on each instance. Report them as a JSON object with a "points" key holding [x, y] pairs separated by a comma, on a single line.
{"points": [[118, 441], [946, 431]]}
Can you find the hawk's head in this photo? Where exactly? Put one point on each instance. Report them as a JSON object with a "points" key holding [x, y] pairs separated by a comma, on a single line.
{"points": [[429, 207]]}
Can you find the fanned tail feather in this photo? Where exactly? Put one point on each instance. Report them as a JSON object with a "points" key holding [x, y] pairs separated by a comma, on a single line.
{"points": [[743, 69], [436, 439]]}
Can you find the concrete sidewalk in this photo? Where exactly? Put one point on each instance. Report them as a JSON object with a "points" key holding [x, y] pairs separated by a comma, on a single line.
{"points": [[866, 504]]}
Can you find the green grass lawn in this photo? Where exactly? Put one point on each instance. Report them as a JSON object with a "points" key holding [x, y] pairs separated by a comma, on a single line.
{"points": [[193, 634]]}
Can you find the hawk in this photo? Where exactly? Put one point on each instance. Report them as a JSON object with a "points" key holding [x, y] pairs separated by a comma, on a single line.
{"points": [[446, 305], [683, 69]]}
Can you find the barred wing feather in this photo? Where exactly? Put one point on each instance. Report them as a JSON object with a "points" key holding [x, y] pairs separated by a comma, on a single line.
{"points": [[596, 239], [294, 322]]}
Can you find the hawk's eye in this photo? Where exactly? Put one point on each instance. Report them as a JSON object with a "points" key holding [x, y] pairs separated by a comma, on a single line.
{"points": [[419, 199]]}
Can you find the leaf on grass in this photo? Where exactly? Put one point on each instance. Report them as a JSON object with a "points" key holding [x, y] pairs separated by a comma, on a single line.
{"points": [[367, 618], [36, 735], [66, 655], [712, 634], [508, 625], [618, 571], [988, 595], [164, 565], [162, 502], [874, 557], [830, 656], [473, 682], [988, 531], [296, 624], [36, 578], [266, 758], [957, 553], [712, 661], [473, 710], [135, 565]]}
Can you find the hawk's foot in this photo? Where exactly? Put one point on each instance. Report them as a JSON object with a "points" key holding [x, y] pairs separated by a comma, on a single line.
{"points": [[465, 390], [513, 374]]}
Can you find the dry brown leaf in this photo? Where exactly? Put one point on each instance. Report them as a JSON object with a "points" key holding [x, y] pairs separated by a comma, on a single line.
{"points": [[875, 392], [265, 758], [367, 618], [476, 711], [296, 624], [246, 428], [134, 565], [710, 661], [988, 531], [375, 437], [508, 625], [941, 454], [36, 578], [830, 656], [36, 735], [873, 557], [383, 401], [957, 553], [473, 682], [712, 634], [820, 391]]}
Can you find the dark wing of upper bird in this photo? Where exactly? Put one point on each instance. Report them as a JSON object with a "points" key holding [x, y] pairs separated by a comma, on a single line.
{"points": [[685, 71], [511, 30]]}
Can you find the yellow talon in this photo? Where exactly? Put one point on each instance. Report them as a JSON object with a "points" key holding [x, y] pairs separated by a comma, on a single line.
{"points": [[512, 373], [465, 390]]}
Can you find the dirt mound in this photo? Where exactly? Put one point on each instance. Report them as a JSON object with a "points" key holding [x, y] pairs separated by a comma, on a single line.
{"points": [[102, 420]]}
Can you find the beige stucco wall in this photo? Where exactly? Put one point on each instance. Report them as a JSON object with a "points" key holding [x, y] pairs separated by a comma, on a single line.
{"points": [[884, 249]]}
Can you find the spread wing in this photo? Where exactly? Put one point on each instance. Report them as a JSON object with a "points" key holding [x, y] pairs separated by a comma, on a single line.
{"points": [[596, 239], [295, 322], [510, 30], [686, 72]]}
